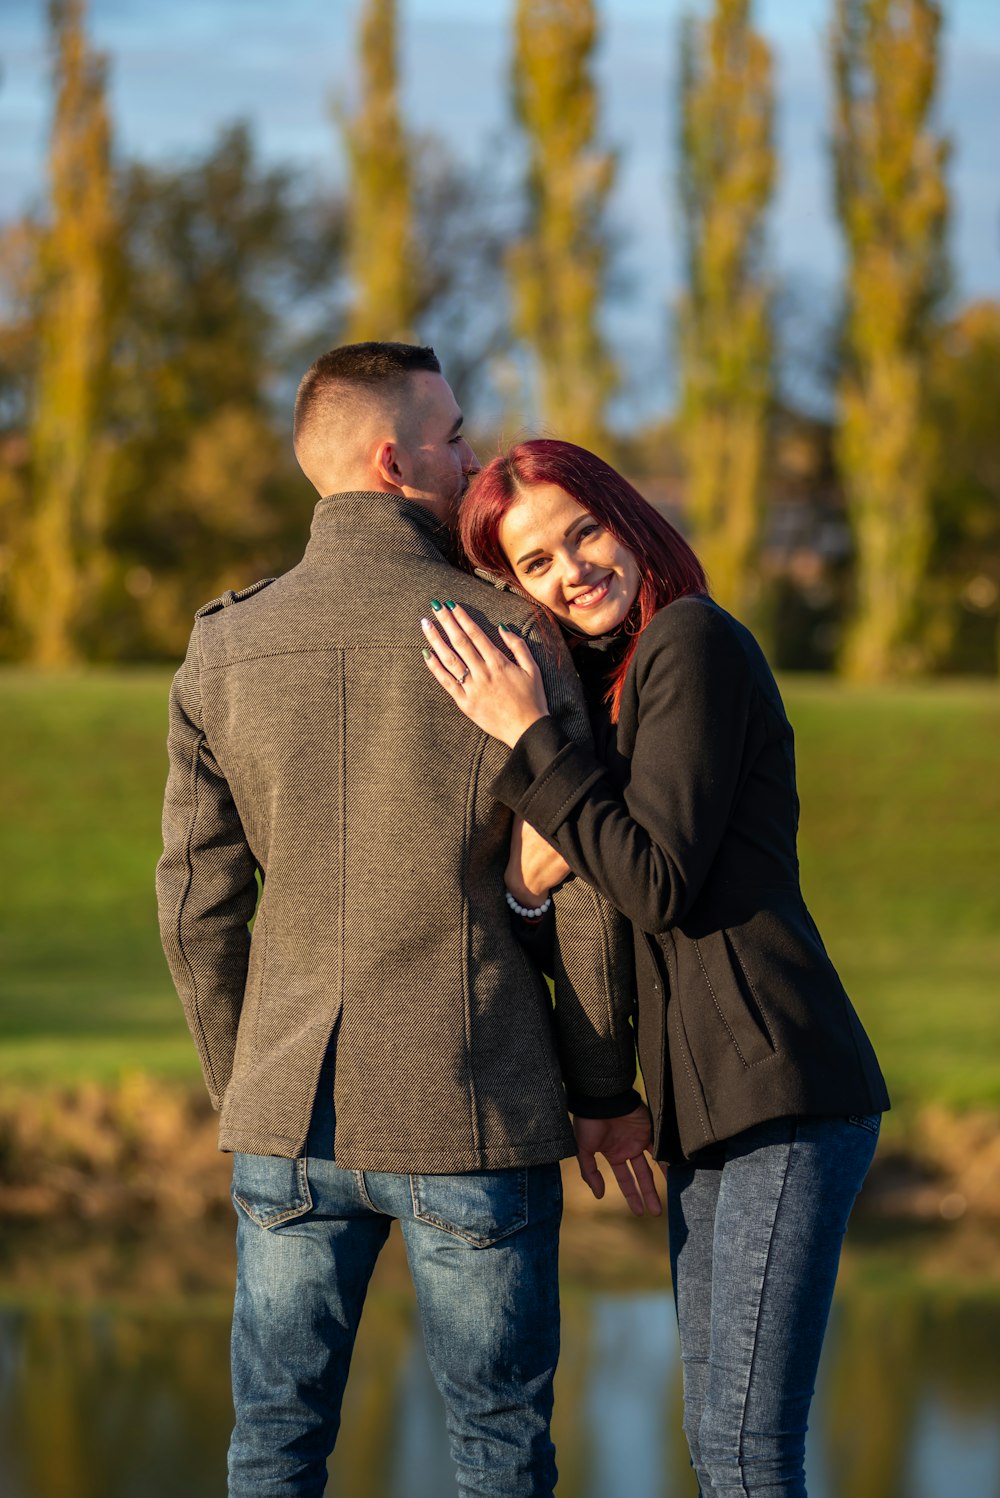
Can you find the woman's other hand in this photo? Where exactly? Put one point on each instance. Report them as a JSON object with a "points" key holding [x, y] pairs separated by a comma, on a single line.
{"points": [[502, 694], [623, 1143], [534, 866]]}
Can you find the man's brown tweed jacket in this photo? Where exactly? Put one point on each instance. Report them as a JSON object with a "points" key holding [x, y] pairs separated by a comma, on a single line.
{"points": [[310, 745]]}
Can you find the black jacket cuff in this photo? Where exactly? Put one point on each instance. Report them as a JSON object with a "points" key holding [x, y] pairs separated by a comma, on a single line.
{"points": [[546, 775], [614, 1106]]}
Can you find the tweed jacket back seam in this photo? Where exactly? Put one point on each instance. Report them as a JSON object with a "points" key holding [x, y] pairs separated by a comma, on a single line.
{"points": [[470, 798]]}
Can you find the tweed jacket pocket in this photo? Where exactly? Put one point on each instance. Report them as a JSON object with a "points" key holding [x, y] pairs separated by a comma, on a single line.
{"points": [[270, 1188], [480, 1208]]}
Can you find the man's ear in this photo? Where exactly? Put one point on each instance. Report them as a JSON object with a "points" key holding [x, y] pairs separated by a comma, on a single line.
{"points": [[391, 463]]}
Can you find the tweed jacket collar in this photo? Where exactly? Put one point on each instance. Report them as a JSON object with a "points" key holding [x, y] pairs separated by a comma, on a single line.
{"points": [[370, 518]]}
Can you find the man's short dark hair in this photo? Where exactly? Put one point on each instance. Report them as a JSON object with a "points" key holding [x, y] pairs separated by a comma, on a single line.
{"points": [[359, 364]]}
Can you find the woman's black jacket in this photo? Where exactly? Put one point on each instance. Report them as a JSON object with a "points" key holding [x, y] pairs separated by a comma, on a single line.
{"points": [[689, 827]]}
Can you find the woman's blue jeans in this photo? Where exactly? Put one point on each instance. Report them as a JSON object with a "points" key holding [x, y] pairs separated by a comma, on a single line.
{"points": [[756, 1226], [482, 1251]]}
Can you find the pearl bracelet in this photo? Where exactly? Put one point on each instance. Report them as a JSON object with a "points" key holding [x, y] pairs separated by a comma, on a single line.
{"points": [[523, 911]]}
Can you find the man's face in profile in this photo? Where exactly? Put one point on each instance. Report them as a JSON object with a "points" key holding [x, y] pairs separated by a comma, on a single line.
{"points": [[442, 461]]}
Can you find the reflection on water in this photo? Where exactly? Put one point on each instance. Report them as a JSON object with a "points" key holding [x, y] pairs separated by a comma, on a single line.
{"points": [[632, 1380], [954, 1455], [133, 1402]]}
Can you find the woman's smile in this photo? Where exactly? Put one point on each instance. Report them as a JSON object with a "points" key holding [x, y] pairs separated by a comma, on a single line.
{"points": [[593, 595]]}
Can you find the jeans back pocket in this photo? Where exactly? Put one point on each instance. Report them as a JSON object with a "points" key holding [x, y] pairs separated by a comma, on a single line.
{"points": [[270, 1188], [480, 1208]]}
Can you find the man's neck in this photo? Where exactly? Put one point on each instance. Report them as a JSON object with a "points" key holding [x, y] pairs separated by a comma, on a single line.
{"points": [[365, 483]]}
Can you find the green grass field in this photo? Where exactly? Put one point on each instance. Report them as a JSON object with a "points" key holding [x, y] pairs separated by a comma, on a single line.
{"points": [[900, 830]]}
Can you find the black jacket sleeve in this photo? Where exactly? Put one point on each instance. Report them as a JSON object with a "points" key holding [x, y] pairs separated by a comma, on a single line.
{"points": [[649, 849], [590, 946]]}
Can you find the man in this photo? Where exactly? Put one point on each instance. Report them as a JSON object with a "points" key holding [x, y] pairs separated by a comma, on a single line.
{"points": [[381, 1047]]}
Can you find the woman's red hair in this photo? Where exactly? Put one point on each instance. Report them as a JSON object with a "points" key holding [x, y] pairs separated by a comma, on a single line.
{"points": [[668, 568]]}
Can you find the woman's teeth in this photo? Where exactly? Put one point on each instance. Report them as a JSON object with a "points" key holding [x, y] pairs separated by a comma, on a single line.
{"points": [[593, 595]]}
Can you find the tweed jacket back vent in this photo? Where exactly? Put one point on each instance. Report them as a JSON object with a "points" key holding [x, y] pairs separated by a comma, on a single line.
{"points": [[309, 744]]}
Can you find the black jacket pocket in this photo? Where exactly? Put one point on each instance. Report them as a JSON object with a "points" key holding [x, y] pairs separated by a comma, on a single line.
{"points": [[714, 979]]}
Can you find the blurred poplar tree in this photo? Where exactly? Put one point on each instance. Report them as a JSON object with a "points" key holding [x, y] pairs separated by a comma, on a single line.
{"points": [[963, 592], [558, 266], [62, 562], [18, 348], [893, 205], [381, 251], [727, 176]]}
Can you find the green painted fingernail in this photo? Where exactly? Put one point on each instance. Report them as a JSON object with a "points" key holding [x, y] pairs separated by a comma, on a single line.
{"points": [[450, 603], [503, 629], [436, 605], [425, 653]]}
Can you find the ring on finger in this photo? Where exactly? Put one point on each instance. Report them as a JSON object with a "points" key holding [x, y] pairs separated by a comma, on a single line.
{"points": [[461, 679]]}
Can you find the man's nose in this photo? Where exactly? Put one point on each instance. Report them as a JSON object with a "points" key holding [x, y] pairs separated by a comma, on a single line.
{"points": [[470, 463]]}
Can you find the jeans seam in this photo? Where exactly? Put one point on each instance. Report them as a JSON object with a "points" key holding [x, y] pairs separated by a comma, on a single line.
{"points": [[760, 1299], [359, 1177]]}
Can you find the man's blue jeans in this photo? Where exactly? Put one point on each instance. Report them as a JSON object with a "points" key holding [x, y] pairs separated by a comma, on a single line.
{"points": [[482, 1250], [756, 1226]]}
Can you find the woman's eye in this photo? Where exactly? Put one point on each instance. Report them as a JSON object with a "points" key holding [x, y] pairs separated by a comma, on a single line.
{"points": [[533, 567], [587, 530]]}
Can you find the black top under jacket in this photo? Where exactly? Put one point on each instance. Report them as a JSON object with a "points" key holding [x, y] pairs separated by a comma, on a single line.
{"points": [[688, 824]]}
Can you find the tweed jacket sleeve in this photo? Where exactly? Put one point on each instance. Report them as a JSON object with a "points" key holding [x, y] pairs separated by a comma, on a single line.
{"points": [[206, 883], [593, 956], [651, 848]]}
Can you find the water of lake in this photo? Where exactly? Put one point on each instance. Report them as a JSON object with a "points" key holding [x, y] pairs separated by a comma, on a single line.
{"points": [[127, 1396]]}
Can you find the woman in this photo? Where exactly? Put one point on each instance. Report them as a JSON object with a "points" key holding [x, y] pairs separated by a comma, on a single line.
{"points": [[764, 1089]]}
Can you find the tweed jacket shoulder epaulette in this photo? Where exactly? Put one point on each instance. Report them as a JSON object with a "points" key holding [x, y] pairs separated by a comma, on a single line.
{"points": [[233, 595]]}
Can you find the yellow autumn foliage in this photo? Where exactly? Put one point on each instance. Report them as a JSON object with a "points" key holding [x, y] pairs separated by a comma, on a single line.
{"points": [[557, 267], [381, 248], [893, 205], [63, 561], [724, 317]]}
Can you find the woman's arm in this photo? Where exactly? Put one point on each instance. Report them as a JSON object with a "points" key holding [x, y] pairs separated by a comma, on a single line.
{"points": [[650, 847], [534, 866]]}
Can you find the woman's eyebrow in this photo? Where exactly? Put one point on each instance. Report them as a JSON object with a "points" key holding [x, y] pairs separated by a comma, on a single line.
{"points": [[539, 549]]}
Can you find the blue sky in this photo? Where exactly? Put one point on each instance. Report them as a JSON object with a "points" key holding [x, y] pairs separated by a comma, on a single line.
{"points": [[179, 70]]}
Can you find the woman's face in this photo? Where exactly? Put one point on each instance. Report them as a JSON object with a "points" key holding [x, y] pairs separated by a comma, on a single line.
{"points": [[567, 561]]}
